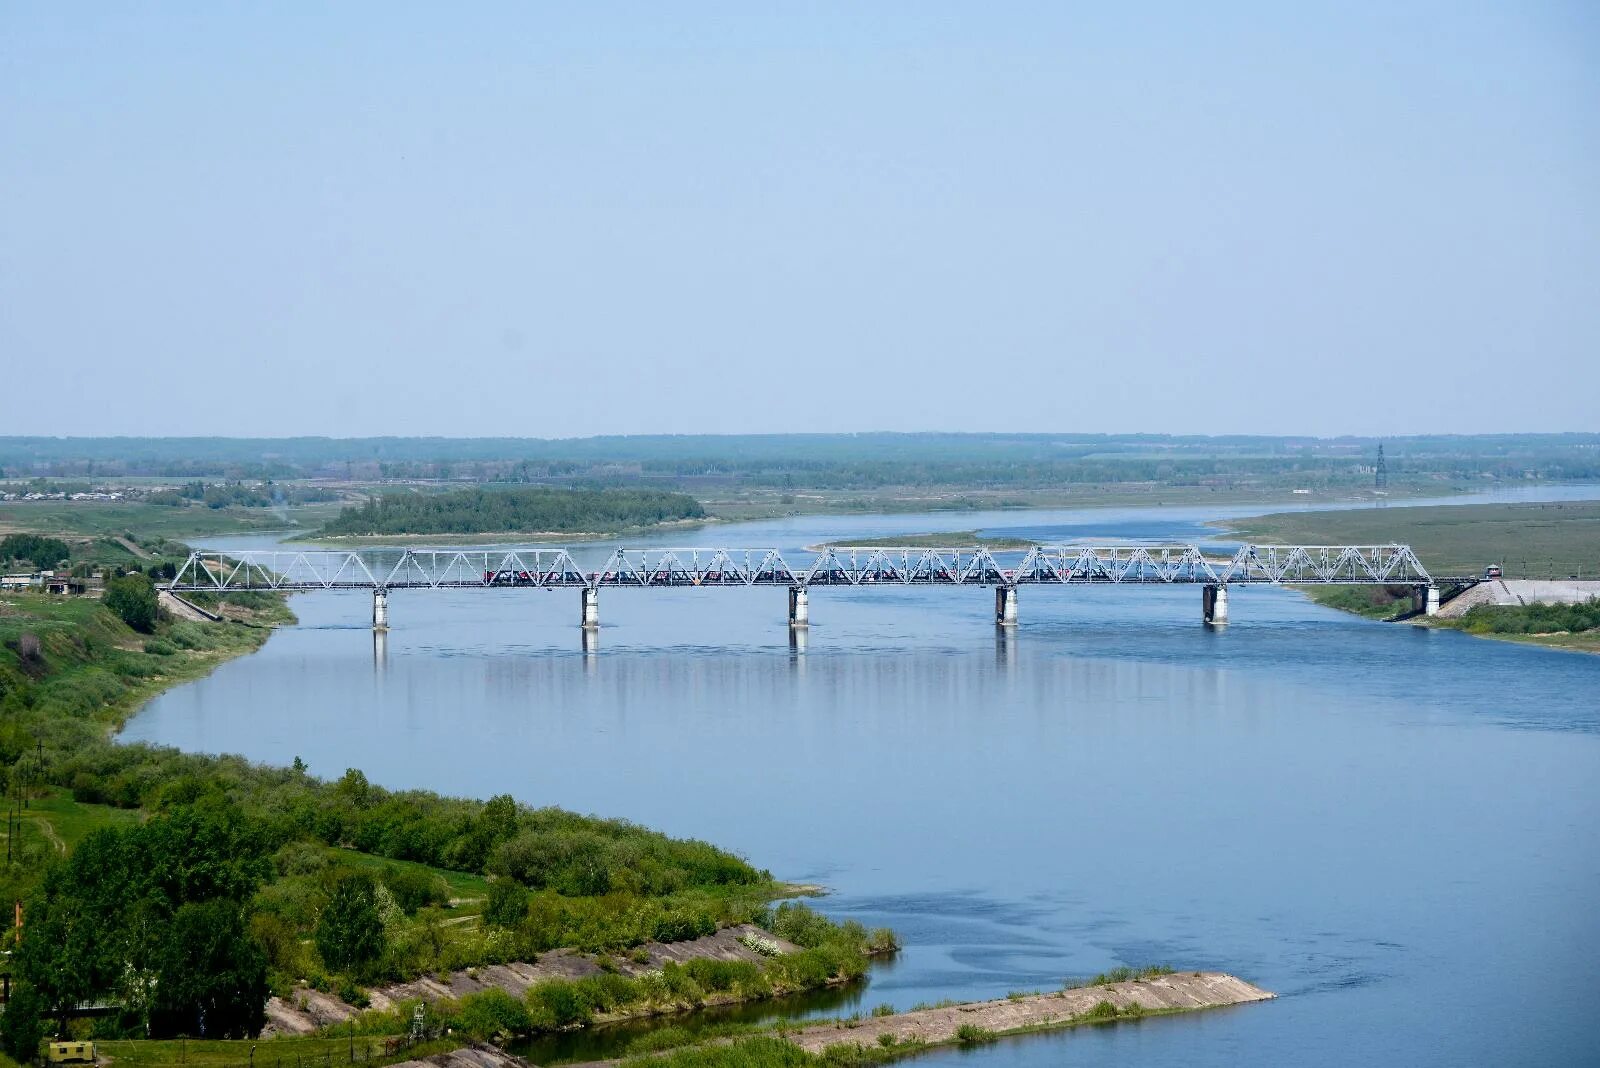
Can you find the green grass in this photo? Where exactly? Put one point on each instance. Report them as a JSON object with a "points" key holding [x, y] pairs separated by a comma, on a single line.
{"points": [[102, 518], [68, 820], [469, 889], [1373, 602], [94, 665], [287, 1052], [1528, 540]]}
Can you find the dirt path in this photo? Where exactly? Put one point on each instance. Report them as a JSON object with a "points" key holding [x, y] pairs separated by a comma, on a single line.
{"points": [[48, 830], [138, 553]]}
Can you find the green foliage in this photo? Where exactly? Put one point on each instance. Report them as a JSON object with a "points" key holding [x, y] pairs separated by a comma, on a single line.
{"points": [[1533, 618], [210, 975], [971, 1034], [1122, 974], [477, 511], [1374, 602], [415, 888], [42, 552], [755, 1052], [133, 599], [492, 1013], [350, 932], [134, 910], [507, 904]]}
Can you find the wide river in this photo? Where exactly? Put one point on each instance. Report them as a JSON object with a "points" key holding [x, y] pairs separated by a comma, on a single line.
{"points": [[1395, 829]]}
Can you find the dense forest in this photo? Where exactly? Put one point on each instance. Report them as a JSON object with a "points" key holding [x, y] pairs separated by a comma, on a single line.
{"points": [[519, 510]]}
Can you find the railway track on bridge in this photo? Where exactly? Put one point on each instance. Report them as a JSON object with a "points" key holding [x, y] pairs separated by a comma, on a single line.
{"points": [[384, 570]]}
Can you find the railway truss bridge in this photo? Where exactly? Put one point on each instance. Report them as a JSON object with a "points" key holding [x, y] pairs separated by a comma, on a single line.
{"points": [[1125, 565]]}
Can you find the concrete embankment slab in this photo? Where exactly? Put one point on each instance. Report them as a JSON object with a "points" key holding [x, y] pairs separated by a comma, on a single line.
{"points": [[475, 1056], [306, 1010], [1181, 991], [1521, 592]]}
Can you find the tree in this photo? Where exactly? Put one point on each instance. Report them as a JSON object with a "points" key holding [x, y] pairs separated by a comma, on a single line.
{"points": [[134, 600], [350, 932], [41, 552], [211, 977], [508, 903]]}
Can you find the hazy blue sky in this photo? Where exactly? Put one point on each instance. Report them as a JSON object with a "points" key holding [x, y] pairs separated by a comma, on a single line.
{"points": [[363, 218]]}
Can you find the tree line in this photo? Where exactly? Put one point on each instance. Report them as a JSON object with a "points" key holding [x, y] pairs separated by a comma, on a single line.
{"points": [[526, 510]]}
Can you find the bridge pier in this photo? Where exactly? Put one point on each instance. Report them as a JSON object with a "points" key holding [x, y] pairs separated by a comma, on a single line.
{"points": [[1429, 596], [591, 608], [1005, 606], [799, 606], [380, 609], [1214, 604]]}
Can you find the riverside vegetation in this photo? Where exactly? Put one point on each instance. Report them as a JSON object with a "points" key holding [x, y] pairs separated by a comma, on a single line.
{"points": [[531, 510], [183, 889], [1544, 540]]}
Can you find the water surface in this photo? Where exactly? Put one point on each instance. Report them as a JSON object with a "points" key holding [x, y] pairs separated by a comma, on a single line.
{"points": [[1393, 828]]}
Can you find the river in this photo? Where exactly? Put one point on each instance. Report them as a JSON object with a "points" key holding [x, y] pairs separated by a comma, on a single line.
{"points": [[1396, 829]]}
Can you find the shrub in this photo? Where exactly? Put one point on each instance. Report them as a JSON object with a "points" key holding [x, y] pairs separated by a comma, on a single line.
{"points": [[508, 903], [133, 599], [491, 1013], [969, 1034], [414, 889], [558, 1004]]}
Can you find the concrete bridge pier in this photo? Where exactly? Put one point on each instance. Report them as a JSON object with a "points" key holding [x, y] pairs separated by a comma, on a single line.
{"points": [[380, 609], [1214, 604], [591, 608], [1005, 606], [799, 606], [1428, 600]]}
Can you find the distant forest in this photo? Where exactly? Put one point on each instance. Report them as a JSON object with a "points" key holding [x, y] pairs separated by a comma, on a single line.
{"points": [[822, 461], [523, 510]]}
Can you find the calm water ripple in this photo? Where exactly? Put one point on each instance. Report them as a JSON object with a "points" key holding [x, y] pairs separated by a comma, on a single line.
{"points": [[1394, 828]]}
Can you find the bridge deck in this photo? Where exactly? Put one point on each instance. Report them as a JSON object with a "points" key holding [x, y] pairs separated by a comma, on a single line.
{"points": [[555, 568]]}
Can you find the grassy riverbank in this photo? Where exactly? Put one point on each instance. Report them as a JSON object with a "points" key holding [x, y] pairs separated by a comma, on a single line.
{"points": [[132, 859], [1535, 541], [1547, 540]]}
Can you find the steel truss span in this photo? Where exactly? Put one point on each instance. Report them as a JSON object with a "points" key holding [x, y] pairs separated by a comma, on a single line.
{"points": [[554, 568]]}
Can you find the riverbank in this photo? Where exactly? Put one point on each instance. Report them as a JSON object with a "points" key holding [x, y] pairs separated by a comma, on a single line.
{"points": [[887, 1037], [1537, 545], [418, 884], [717, 969]]}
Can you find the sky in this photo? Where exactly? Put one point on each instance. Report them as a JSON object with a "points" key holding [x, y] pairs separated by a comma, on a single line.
{"points": [[561, 220]]}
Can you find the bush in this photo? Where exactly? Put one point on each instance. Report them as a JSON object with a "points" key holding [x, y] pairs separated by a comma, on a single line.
{"points": [[970, 1034], [414, 889], [491, 1013], [508, 903], [133, 599], [558, 1004]]}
